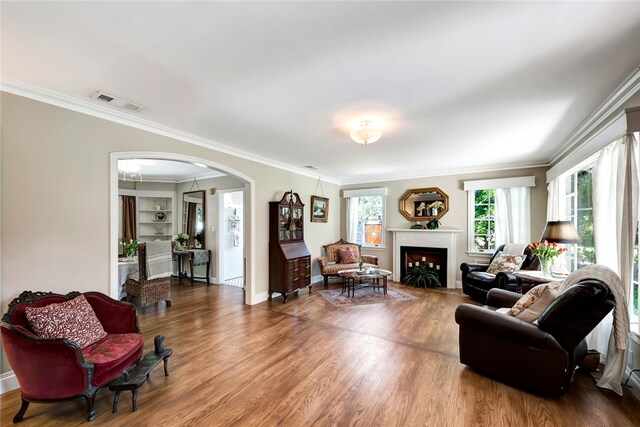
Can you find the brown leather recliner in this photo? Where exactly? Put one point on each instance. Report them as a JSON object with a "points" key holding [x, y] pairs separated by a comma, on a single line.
{"points": [[540, 358], [476, 282]]}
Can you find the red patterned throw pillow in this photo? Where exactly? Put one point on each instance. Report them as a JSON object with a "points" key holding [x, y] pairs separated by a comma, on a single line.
{"points": [[73, 319], [346, 256]]}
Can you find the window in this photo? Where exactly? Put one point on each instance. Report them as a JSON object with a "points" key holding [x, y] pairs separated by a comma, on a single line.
{"points": [[369, 226], [365, 216], [484, 221], [498, 212], [579, 205]]}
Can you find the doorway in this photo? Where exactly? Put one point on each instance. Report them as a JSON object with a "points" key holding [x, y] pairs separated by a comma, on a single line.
{"points": [[248, 215], [231, 238]]}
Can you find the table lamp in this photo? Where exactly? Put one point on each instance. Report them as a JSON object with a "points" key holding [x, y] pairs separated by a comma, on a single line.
{"points": [[560, 232]]}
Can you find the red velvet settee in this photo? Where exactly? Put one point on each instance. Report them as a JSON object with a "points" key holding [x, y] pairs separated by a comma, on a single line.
{"points": [[51, 369]]}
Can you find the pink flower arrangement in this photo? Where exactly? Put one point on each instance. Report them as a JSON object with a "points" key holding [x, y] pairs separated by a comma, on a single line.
{"points": [[546, 250]]}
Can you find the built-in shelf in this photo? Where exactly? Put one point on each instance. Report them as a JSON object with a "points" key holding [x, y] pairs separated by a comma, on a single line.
{"points": [[150, 204]]}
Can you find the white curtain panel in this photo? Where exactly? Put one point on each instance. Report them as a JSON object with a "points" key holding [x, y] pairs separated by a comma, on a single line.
{"points": [[513, 215], [352, 219], [556, 210], [615, 216]]}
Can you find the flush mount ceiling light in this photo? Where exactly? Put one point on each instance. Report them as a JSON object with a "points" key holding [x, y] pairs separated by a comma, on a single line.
{"points": [[366, 132], [129, 169]]}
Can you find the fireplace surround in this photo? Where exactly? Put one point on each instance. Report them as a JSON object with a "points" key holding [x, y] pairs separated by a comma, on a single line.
{"points": [[441, 238]]}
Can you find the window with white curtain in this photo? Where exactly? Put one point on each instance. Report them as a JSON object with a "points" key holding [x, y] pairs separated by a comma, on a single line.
{"points": [[579, 210], [366, 216], [484, 220], [635, 289], [499, 211], [576, 187]]}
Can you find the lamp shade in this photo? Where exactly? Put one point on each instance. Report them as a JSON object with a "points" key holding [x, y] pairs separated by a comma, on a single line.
{"points": [[560, 232]]}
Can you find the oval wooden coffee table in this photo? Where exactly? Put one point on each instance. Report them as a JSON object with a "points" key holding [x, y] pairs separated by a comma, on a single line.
{"points": [[357, 279]]}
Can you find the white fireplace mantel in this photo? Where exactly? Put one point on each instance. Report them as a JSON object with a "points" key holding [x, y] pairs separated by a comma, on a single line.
{"points": [[443, 237]]}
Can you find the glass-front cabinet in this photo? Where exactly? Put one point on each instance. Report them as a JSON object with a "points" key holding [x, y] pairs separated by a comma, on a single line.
{"points": [[290, 227], [289, 257]]}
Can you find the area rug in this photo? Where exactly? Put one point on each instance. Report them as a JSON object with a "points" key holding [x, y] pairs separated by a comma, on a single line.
{"points": [[365, 296]]}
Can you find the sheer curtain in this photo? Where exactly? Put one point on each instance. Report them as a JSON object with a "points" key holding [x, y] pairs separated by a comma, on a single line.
{"points": [[352, 219], [615, 216], [556, 207], [513, 215]]}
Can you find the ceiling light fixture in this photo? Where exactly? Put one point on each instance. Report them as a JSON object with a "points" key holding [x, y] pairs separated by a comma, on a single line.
{"points": [[366, 132], [129, 169]]}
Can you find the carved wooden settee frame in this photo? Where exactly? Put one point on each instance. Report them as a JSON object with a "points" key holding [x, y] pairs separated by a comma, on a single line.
{"points": [[329, 266]]}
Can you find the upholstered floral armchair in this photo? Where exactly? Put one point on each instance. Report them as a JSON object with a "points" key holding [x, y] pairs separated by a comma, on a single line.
{"points": [[342, 255], [51, 369]]}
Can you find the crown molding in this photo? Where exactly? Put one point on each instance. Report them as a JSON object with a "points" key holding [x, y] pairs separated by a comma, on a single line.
{"points": [[460, 171], [614, 101], [85, 107]]}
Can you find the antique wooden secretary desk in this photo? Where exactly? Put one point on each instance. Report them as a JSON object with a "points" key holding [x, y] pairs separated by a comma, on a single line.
{"points": [[289, 257]]}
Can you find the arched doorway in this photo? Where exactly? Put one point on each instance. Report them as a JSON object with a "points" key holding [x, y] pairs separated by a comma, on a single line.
{"points": [[249, 214]]}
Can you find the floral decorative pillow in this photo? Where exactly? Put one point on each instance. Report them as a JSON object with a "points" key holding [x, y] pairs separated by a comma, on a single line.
{"points": [[346, 256], [535, 302], [505, 262], [73, 319]]}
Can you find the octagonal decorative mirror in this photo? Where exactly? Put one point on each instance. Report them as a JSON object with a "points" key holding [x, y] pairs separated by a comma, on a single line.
{"points": [[424, 204]]}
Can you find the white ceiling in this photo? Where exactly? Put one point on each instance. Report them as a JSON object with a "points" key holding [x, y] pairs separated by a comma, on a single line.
{"points": [[171, 171], [460, 86]]}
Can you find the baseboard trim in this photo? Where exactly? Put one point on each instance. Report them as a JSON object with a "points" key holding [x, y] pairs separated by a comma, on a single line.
{"points": [[634, 382], [318, 279], [8, 382], [261, 297]]}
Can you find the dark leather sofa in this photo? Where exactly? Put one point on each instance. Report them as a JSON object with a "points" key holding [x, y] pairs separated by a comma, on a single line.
{"points": [[476, 282], [540, 358]]}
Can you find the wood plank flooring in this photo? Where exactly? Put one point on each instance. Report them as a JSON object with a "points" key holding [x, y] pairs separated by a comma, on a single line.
{"points": [[307, 363]]}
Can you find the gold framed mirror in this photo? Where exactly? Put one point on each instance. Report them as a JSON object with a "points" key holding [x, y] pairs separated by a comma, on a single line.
{"points": [[424, 204], [194, 211]]}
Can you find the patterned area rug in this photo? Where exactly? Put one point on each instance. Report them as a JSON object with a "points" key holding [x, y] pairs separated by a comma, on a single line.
{"points": [[365, 296]]}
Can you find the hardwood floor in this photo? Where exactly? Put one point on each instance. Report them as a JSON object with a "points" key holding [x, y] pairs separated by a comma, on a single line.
{"points": [[308, 363]]}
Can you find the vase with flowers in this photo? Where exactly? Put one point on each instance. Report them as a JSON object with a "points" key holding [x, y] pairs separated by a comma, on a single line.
{"points": [[546, 252], [182, 239], [435, 207], [130, 249]]}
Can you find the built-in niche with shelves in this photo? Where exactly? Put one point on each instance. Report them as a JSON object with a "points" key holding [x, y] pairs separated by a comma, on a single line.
{"points": [[155, 216]]}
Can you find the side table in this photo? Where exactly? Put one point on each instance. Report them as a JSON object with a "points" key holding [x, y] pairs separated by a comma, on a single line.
{"points": [[533, 276]]}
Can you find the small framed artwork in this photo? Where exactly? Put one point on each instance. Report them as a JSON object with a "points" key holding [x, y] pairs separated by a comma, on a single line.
{"points": [[234, 224], [319, 209]]}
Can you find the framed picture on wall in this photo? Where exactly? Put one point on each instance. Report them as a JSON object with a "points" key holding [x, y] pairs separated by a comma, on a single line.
{"points": [[319, 209]]}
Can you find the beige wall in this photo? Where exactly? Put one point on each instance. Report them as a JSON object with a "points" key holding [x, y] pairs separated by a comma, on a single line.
{"points": [[55, 197], [457, 215]]}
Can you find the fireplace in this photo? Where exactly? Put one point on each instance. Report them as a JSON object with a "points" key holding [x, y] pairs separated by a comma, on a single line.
{"points": [[435, 258], [434, 245]]}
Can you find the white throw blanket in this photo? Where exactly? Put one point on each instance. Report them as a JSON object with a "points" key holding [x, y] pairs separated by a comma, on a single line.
{"points": [[614, 368], [159, 259], [514, 248]]}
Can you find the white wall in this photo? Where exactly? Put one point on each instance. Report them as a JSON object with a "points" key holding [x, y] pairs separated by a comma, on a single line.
{"points": [[231, 255], [50, 155]]}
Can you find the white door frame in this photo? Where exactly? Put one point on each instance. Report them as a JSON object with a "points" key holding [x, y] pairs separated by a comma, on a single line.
{"points": [[221, 227], [249, 214]]}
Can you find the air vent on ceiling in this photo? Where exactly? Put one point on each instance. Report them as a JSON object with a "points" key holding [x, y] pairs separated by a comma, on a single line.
{"points": [[117, 102]]}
